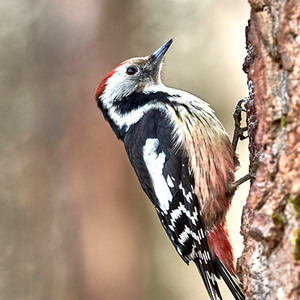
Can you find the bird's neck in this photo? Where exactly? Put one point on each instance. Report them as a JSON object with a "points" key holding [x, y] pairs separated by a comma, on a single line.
{"points": [[128, 110]]}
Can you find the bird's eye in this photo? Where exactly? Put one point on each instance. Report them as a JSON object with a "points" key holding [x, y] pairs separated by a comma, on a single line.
{"points": [[131, 70]]}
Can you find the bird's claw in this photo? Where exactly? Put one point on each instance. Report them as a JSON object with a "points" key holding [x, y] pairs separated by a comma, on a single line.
{"points": [[238, 130]]}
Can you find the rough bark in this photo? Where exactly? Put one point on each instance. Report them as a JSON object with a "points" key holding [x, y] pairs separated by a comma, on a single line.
{"points": [[270, 262]]}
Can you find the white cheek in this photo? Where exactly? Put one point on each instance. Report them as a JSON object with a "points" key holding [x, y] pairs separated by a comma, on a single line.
{"points": [[117, 86]]}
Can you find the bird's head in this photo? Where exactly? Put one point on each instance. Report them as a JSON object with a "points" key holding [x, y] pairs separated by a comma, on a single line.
{"points": [[132, 75]]}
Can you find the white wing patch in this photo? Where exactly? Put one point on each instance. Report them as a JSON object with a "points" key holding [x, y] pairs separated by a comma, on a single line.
{"points": [[176, 213], [155, 163], [188, 196], [170, 182]]}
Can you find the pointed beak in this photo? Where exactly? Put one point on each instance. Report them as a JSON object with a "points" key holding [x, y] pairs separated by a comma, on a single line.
{"points": [[156, 58]]}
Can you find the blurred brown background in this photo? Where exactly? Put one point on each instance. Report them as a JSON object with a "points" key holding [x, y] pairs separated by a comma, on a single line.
{"points": [[74, 223]]}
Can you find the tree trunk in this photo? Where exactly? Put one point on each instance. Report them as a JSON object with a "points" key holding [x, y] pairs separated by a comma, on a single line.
{"points": [[271, 218]]}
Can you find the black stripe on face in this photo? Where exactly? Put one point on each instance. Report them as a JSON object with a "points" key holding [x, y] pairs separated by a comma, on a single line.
{"points": [[136, 100]]}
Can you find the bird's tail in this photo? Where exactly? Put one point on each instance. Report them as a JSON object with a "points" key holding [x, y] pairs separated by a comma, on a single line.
{"points": [[209, 282], [231, 280]]}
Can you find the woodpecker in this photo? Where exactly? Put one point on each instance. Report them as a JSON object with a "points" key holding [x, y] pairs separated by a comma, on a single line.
{"points": [[183, 159]]}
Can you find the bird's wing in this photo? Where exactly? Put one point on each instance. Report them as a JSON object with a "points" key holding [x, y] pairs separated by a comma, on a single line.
{"points": [[166, 178]]}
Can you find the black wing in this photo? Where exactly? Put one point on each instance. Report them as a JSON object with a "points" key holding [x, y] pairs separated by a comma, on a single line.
{"points": [[165, 177]]}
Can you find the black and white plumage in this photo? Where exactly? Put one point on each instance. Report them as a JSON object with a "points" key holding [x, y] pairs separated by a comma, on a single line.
{"points": [[166, 179], [172, 139]]}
